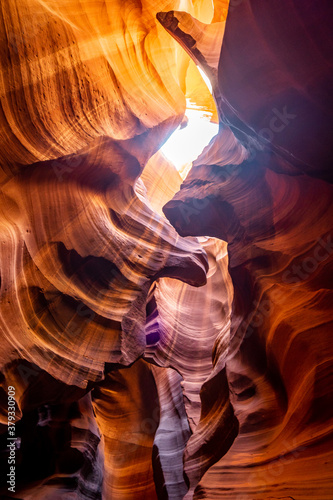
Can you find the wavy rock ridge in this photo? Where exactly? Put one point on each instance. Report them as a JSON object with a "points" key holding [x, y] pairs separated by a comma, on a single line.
{"points": [[184, 355]]}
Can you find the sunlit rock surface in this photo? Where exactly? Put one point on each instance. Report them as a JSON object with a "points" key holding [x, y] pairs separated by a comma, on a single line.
{"points": [[186, 356]]}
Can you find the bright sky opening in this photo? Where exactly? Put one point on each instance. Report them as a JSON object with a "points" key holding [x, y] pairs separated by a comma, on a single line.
{"points": [[186, 144]]}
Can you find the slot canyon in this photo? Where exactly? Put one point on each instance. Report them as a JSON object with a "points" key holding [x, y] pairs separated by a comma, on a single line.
{"points": [[166, 332]]}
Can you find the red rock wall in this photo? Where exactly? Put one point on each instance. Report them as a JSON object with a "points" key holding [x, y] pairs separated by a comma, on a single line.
{"points": [[154, 358], [275, 211]]}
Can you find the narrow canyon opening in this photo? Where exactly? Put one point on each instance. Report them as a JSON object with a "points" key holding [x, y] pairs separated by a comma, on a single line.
{"points": [[197, 129]]}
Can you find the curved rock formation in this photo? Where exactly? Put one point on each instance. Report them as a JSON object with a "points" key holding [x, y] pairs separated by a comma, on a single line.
{"points": [[160, 339], [183, 323], [81, 65], [74, 299]]}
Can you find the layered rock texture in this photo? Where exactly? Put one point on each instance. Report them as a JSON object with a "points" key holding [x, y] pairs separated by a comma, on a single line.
{"points": [[166, 339]]}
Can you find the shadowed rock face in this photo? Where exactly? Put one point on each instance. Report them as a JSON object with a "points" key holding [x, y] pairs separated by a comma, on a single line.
{"points": [[275, 80], [154, 357]]}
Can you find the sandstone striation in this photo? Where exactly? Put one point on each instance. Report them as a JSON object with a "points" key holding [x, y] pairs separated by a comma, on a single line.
{"points": [[166, 339]]}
